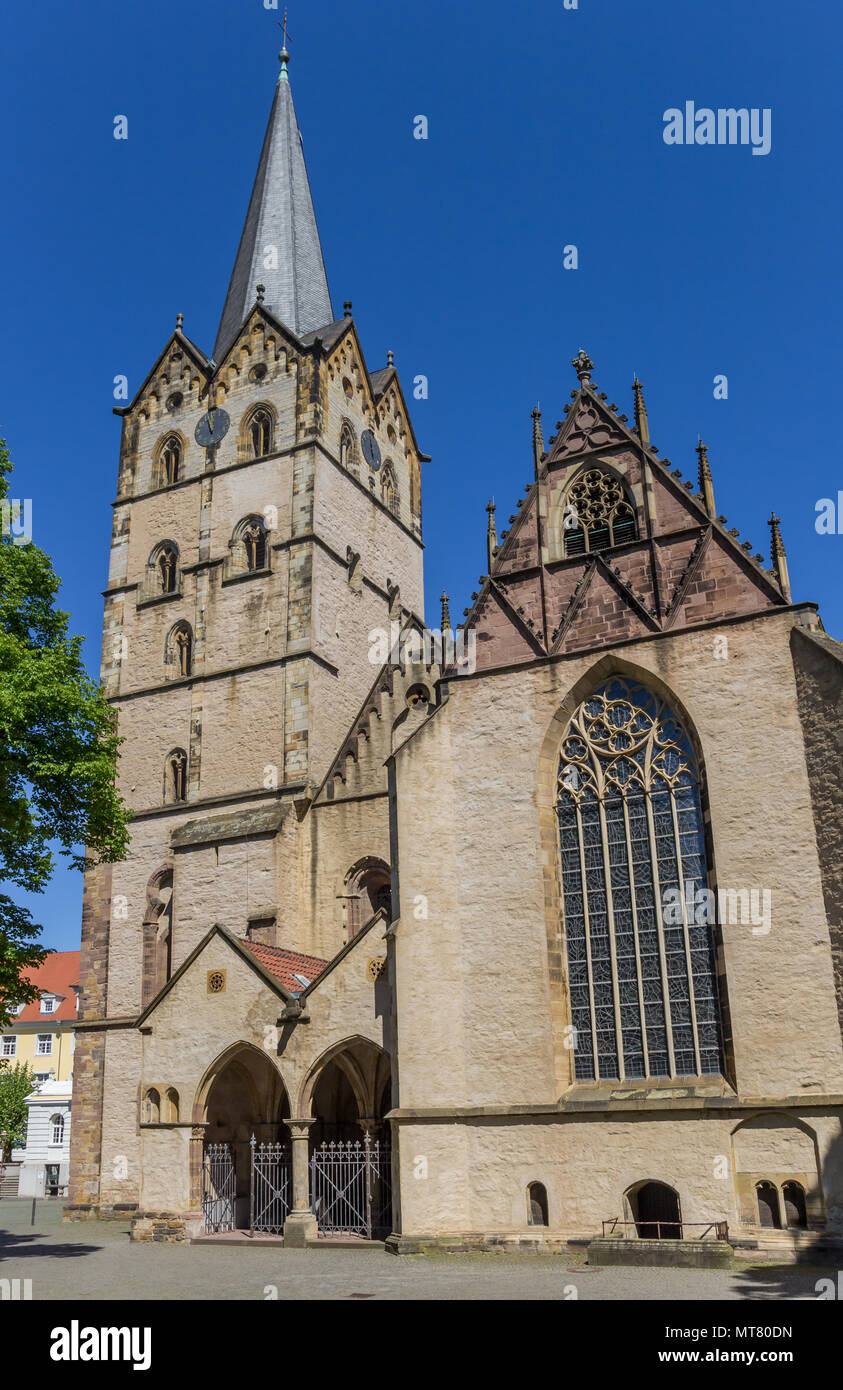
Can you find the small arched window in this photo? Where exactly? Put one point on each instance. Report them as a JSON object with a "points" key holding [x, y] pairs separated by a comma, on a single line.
{"points": [[57, 1129], [169, 460], [597, 514], [389, 489], [178, 655], [769, 1215], [793, 1195], [175, 777], [166, 568], [260, 433], [171, 1109], [254, 545], [348, 455], [152, 1107], [537, 1204], [641, 968], [368, 890]]}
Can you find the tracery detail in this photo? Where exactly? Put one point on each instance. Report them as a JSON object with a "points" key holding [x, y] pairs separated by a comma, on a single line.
{"points": [[642, 982], [597, 514]]}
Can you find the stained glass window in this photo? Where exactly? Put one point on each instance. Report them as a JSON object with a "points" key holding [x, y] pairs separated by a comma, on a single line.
{"points": [[642, 980]]}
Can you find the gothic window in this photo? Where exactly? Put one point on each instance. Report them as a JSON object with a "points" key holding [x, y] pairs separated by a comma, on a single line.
{"points": [[389, 489], [169, 460], [171, 1105], [178, 656], [254, 543], [152, 1107], [166, 563], [598, 514], [348, 456], [641, 965], [537, 1204], [157, 932], [260, 433], [368, 889], [793, 1195], [175, 777]]}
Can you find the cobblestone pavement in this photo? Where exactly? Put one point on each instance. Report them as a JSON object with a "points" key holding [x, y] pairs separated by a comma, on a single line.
{"points": [[91, 1260]]}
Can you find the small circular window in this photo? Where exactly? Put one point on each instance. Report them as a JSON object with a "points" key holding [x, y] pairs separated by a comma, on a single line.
{"points": [[258, 373], [174, 401], [216, 981]]}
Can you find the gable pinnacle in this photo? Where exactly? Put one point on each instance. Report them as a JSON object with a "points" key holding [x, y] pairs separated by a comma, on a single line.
{"points": [[491, 535], [446, 613], [778, 556], [260, 290], [583, 367], [642, 427], [538, 438], [179, 322], [705, 481]]}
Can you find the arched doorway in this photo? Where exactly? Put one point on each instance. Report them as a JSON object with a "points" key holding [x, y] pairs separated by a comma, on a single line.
{"points": [[769, 1215], [242, 1096], [655, 1211], [348, 1093]]}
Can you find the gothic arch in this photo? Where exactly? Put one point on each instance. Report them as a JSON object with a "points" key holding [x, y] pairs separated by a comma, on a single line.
{"points": [[603, 670], [175, 777], [168, 459], [249, 545], [365, 889], [258, 431], [562, 496], [348, 447], [163, 574], [366, 1090], [178, 651], [239, 1055]]}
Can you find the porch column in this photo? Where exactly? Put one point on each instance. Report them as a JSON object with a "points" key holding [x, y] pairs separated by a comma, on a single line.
{"points": [[301, 1225], [197, 1153]]}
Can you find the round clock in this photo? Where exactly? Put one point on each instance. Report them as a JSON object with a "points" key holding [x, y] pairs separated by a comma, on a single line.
{"points": [[371, 450], [212, 428]]}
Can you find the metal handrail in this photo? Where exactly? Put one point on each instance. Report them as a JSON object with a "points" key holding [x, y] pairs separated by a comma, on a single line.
{"points": [[720, 1228]]}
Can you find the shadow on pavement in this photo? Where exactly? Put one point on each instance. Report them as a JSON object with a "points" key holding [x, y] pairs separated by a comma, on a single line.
{"points": [[14, 1246]]}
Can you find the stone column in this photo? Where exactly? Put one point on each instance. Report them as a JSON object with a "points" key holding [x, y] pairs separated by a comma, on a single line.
{"points": [[301, 1226], [197, 1153]]}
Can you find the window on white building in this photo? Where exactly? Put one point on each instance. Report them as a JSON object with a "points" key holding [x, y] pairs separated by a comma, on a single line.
{"points": [[48, 1003], [44, 1046], [10, 1045], [57, 1129]]}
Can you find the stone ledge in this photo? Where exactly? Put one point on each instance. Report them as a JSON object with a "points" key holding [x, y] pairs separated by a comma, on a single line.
{"points": [[464, 1243], [669, 1254]]}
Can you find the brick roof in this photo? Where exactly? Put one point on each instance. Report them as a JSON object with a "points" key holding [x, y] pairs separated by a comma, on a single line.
{"points": [[55, 975], [285, 964]]}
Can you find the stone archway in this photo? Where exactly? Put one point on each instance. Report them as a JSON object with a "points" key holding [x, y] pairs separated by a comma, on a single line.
{"points": [[241, 1095], [348, 1092]]}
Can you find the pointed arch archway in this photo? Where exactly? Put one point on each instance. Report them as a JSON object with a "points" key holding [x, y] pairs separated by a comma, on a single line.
{"points": [[347, 1091]]}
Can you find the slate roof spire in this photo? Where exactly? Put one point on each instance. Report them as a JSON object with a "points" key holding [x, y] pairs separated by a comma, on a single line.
{"points": [[280, 244]]}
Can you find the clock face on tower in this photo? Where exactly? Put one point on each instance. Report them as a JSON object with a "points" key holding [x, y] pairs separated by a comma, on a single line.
{"points": [[212, 428], [371, 450]]}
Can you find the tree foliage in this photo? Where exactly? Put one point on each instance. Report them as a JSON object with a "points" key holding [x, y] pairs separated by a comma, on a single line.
{"points": [[15, 1085], [58, 749]]}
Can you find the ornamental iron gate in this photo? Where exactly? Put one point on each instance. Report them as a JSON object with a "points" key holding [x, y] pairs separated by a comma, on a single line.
{"points": [[351, 1187], [219, 1188], [271, 1187]]}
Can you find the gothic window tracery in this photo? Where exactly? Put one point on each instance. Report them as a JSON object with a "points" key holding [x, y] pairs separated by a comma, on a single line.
{"points": [[642, 979], [254, 541], [260, 433], [598, 514], [389, 489], [178, 656], [348, 455], [169, 460], [175, 776], [167, 566]]}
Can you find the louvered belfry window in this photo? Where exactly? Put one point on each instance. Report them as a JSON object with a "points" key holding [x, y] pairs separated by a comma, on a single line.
{"points": [[643, 985], [597, 514]]}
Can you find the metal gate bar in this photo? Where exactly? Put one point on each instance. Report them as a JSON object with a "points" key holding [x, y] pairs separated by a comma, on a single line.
{"points": [[351, 1187], [271, 1186], [219, 1188]]}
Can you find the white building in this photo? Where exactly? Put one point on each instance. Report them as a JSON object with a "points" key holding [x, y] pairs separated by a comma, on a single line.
{"points": [[45, 1159]]}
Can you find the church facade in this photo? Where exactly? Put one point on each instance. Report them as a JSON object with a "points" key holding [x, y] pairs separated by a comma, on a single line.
{"points": [[524, 933]]}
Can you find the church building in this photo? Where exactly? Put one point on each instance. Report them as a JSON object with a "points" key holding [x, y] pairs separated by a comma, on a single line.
{"points": [[502, 936]]}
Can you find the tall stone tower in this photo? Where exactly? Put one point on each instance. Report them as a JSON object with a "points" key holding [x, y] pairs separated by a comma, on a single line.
{"points": [[267, 520]]}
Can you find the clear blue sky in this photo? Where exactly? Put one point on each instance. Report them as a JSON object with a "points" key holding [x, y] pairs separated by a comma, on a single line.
{"points": [[545, 130]]}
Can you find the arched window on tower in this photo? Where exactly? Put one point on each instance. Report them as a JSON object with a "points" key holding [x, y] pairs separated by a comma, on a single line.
{"points": [[166, 567], [169, 461], [178, 651], [254, 544], [389, 489], [367, 890], [175, 777], [260, 433], [348, 452], [157, 932], [642, 978], [598, 514]]}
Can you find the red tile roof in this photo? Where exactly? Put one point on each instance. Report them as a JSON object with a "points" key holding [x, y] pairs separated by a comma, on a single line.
{"points": [[55, 975], [282, 964]]}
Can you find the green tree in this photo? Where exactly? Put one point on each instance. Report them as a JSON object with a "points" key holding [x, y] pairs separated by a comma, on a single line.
{"points": [[15, 1085], [58, 750]]}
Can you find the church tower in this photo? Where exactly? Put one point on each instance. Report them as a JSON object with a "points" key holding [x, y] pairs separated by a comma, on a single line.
{"points": [[267, 521]]}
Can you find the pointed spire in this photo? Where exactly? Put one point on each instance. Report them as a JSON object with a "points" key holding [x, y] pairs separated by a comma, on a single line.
{"points": [[445, 625], [705, 480], [491, 535], [642, 427], [538, 438], [280, 242], [778, 556]]}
